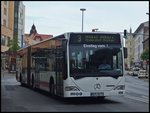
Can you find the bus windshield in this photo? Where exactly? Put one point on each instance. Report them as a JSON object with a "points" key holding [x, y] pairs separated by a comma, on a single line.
{"points": [[86, 60]]}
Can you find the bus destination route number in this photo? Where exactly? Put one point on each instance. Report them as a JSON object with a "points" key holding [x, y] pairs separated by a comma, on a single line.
{"points": [[95, 38]]}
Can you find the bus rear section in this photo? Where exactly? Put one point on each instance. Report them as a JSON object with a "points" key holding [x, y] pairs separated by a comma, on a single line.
{"points": [[86, 53]]}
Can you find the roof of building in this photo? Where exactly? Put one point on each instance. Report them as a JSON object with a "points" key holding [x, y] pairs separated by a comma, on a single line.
{"points": [[142, 25], [33, 30], [42, 36]]}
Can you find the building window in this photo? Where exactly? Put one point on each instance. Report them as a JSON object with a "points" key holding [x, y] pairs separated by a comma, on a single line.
{"points": [[2, 40], [5, 11], [138, 51], [139, 39], [130, 43], [20, 15], [5, 2], [4, 22], [16, 14], [15, 26], [22, 22], [8, 41]]}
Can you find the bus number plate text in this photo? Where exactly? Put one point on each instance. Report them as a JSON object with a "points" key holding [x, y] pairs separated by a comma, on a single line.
{"points": [[97, 94]]}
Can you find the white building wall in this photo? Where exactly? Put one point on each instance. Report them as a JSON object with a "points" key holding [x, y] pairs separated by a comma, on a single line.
{"points": [[138, 46], [138, 43]]}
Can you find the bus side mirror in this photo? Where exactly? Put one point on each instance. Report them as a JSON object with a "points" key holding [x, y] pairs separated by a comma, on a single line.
{"points": [[125, 52]]}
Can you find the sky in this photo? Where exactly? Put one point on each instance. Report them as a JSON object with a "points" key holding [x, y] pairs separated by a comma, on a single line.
{"points": [[58, 17]]}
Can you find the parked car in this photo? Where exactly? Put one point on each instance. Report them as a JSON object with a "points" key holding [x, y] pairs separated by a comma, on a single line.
{"points": [[136, 71], [147, 74], [130, 72], [142, 73]]}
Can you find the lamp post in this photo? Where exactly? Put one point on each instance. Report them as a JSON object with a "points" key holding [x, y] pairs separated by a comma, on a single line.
{"points": [[82, 9]]}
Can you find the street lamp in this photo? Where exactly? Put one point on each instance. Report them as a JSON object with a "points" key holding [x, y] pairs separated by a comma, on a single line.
{"points": [[147, 13], [82, 9]]}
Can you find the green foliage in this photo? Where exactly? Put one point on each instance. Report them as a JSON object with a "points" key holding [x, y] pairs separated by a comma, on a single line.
{"points": [[14, 44], [145, 55]]}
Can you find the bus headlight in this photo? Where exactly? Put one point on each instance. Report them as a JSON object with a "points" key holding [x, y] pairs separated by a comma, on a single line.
{"points": [[120, 87], [71, 88]]}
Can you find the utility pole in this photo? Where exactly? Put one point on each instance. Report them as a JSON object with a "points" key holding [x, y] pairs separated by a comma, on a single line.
{"points": [[82, 9]]}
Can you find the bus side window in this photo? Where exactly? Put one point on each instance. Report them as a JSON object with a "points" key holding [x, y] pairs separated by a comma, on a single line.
{"points": [[72, 63]]}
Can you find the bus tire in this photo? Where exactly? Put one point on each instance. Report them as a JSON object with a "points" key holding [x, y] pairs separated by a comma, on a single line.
{"points": [[32, 81], [20, 80], [51, 87], [17, 75], [101, 98]]}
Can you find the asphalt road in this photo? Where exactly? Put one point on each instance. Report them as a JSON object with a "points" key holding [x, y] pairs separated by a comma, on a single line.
{"points": [[15, 98]]}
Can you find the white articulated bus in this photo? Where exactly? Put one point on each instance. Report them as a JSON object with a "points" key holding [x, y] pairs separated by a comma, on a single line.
{"points": [[68, 65]]}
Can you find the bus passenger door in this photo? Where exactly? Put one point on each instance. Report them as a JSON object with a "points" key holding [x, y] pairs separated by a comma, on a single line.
{"points": [[37, 73], [59, 74]]}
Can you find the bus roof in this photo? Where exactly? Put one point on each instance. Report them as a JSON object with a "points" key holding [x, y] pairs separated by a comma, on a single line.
{"points": [[99, 32]]}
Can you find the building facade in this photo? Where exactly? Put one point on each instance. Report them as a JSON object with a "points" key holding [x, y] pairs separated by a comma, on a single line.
{"points": [[19, 21], [146, 36], [7, 18], [138, 38], [12, 26], [12, 22], [146, 45], [33, 37], [129, 42], [7, 24]]}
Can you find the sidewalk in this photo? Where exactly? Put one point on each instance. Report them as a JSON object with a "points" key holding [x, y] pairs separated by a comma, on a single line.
{"points": [[5, 75], [8, 85], [5, 72]]}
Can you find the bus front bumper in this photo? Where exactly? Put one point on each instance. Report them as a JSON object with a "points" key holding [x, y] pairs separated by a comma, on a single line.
{"points": [[94, 94]]}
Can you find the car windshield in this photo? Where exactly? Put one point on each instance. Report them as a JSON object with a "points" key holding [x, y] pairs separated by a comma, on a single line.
{"points": [[88, 61]]}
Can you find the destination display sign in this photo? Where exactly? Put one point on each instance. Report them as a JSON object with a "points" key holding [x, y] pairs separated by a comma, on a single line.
{"points": [[95, 39]]}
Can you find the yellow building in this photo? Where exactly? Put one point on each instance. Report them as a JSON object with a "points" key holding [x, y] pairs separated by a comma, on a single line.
{"points": [[7, 24], [12, 26], [130, 47]]}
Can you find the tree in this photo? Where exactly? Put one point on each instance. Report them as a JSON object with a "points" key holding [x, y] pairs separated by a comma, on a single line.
{"points": [[13, 47], [145, 55], [14, 44]]}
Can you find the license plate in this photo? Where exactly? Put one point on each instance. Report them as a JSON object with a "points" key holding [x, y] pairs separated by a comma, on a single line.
{"points": [[97, 94]]}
